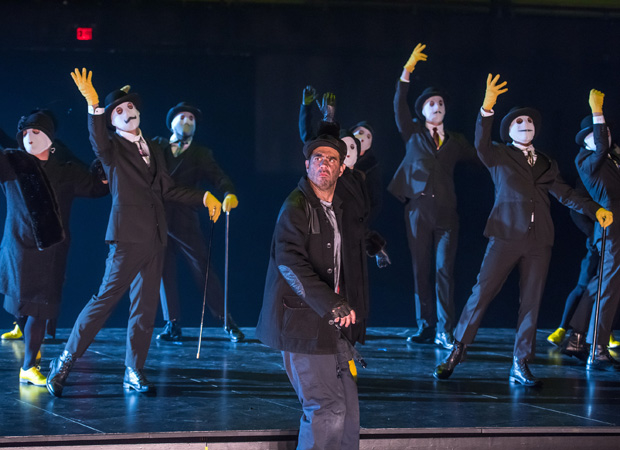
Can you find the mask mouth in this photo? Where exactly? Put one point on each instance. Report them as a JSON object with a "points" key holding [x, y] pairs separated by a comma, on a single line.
{"points": [[130, 119]]}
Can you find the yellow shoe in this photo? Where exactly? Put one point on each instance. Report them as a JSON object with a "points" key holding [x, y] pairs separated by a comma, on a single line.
{"points": [[557, 337], [32, 376], [16, 333], [612, 342]]}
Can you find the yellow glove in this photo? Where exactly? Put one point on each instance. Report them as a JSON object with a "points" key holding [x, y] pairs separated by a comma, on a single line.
{"points": [[493, 90], [213, 205], [596, 101], [85, 85], [230, 202], [604, 217], [416, 56]]}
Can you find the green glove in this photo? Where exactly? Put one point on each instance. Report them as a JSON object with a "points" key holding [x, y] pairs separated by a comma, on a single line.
{"points": [[328, 106], [309, 95]]}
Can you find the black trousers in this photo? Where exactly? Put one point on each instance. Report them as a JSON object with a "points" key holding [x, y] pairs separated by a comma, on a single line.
{"points": [[132, 266], [584, 317], [501, 257], [193, 249], [432, 234]]}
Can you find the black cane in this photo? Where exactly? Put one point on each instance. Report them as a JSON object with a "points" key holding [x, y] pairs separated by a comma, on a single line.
{"points": [[226, 272], [598, 295], [204, 297]]}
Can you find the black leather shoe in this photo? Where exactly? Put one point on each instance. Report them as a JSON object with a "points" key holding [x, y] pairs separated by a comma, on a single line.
{"points": [[520, 373], [234, 333], [424, 335], [136, 380], [171, 332], [59, 370], [445, 369], [445, 339], [602, 360], [576, 346]]}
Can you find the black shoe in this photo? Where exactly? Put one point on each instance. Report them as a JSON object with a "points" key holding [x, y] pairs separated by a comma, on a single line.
{"points": [[445, 339], [234, 333], [424, 335], [445, 369], [136, 380], [602, 360], [576, 346], [171, 332], [59, 370], [520, 373]]}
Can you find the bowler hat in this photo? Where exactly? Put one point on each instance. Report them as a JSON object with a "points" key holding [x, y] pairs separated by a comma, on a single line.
{"points": [[115, 98], [515, 112], [425, 95], [181, 107]]}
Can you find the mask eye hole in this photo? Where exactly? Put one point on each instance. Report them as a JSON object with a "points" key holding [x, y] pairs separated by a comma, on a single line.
{"points": [[529, 120], [519, 120], [130, 105], [119, 110]]}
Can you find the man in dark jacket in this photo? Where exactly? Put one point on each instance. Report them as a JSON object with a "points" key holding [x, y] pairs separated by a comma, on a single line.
{"points": [[599, 169], [306, 294], [192, 165], [424, 182], [137, 231], [519, 228]]}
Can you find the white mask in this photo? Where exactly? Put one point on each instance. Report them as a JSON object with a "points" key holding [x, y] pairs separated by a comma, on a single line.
{"points": [[35, 141], [184, 124], [125, 117], [588, 141], [522, 130], [351, 157], [434, 110], [365, 137]]}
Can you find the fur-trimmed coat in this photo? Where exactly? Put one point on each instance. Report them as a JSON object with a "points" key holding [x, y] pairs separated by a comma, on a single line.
{"points": [[32, 260]]}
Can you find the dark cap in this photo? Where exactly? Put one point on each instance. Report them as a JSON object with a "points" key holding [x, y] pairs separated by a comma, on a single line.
{"points": [[325, 140], [41, 119]]}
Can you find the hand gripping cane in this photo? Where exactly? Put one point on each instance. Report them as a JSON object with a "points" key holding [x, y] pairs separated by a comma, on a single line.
{"points": [[204, 297], [598, 295]]}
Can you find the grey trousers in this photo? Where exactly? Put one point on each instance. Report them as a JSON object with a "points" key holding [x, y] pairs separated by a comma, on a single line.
{"points": [[328, 395]]}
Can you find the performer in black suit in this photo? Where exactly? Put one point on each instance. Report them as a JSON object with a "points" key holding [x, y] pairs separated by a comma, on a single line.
{"points": [[137, 232], [40, 182], [192, 165], [424, 182], [599, 169], [519, 228]]}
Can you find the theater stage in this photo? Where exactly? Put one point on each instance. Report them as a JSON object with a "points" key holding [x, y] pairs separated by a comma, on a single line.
{"points": [[237, 396]]}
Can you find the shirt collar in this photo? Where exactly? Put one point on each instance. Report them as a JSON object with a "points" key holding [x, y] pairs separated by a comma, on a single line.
{"points": [[523, 148], [174, 139], [439, 127], [130, 136]]}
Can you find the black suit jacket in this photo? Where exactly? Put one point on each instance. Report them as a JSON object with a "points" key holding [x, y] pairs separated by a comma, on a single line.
{"points": [[138, 192], [521, 190], [426, 169]]}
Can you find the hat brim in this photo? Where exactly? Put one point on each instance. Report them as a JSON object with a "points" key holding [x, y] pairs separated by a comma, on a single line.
{"points": [[512, 115]]}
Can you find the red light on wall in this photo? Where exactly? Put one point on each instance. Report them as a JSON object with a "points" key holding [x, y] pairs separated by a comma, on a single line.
{"points": [[84, 34]]}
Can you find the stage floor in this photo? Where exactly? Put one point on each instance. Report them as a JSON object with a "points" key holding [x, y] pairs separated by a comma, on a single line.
{"points": [[244, 387]]}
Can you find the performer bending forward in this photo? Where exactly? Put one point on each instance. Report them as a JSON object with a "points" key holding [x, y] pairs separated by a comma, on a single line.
{"points": [[519, 228]]}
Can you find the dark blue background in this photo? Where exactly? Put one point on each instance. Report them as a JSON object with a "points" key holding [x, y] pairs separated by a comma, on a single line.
{"points": [[245, 66]]}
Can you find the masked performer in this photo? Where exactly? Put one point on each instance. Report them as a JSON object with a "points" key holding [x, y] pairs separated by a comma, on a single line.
{"points": [[40, 184], [599, 169], [519, 228], [136, 234], [424, 182], [190, 164]]}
